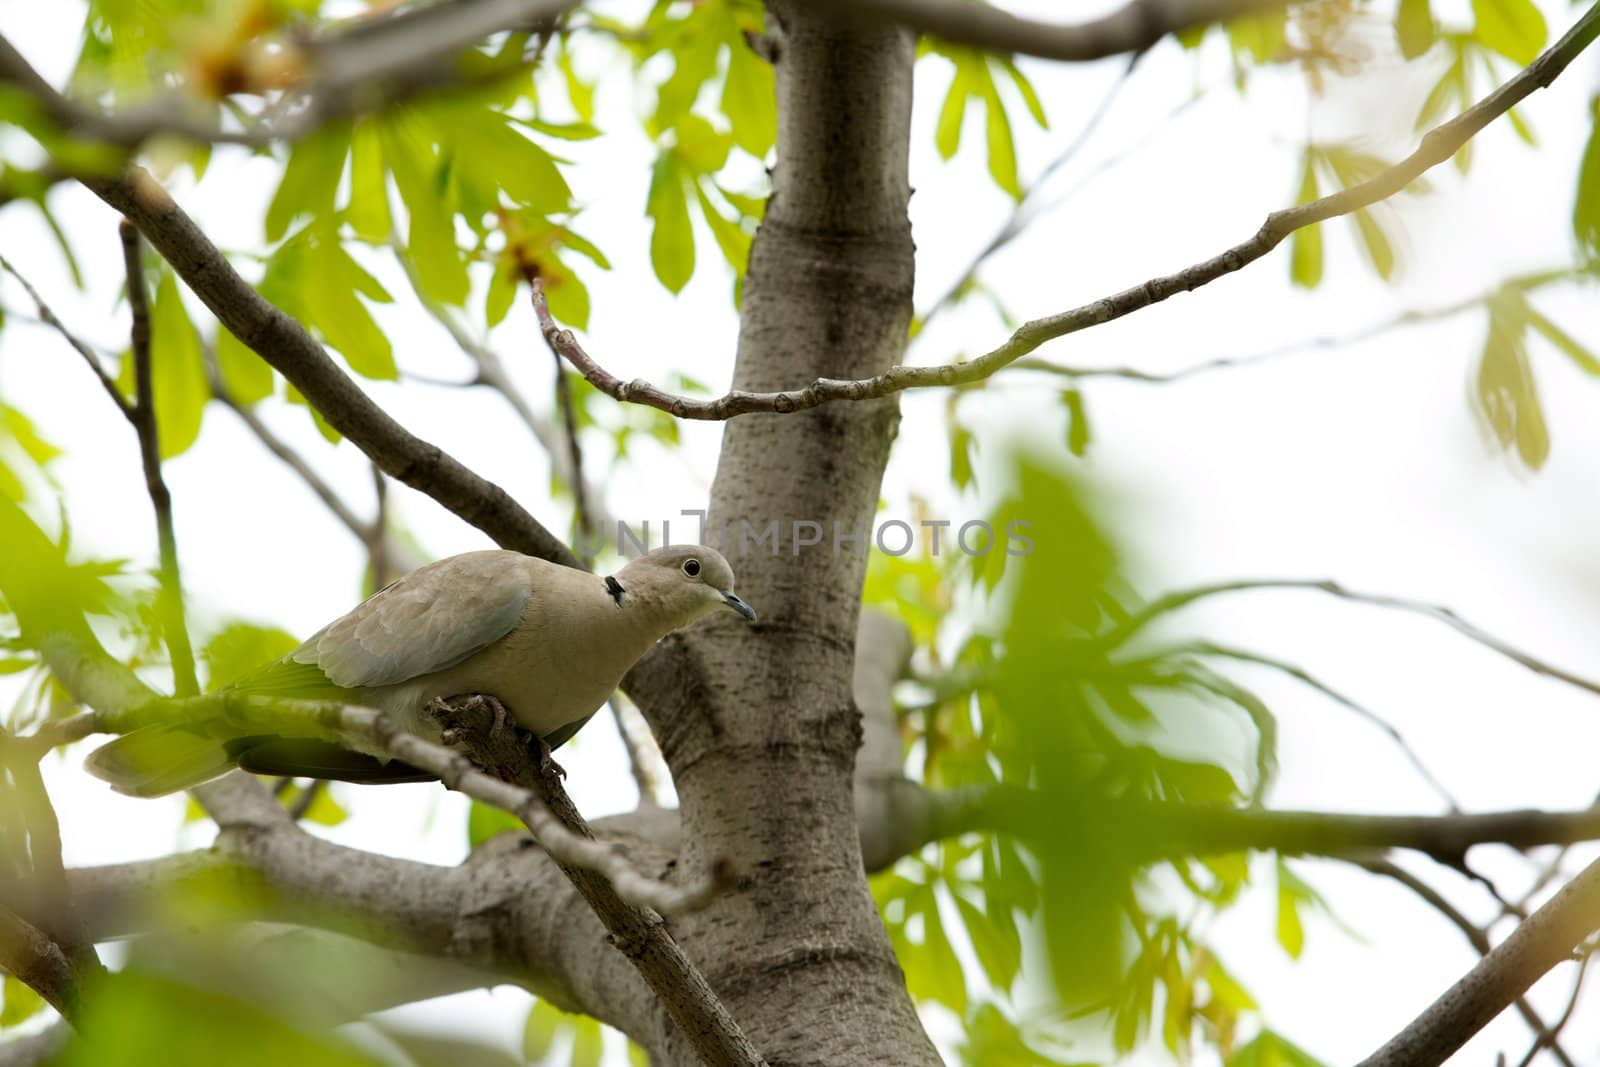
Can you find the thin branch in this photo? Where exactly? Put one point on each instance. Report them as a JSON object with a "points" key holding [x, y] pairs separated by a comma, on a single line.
{"points": [[288, 456], [582, 520], [379, 558], [376, 63], [1547, 938], [170, 597], [645, 761], [1477, 937], [1306, 678], [1549, 1039], [336, 721], [1438, 145], [1413, 317], [1171, 602], [1131, 28], [32, 957], [294, 353], [49, 318]]}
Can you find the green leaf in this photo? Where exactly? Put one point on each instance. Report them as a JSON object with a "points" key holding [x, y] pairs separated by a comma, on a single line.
{"points": [[701, 147], [947, 136], [565, 131], [730, 237], [1077, 422], [21, 429], [240, 649], [431, 240], [484, 822], [177, 371], [933, 972], [579, 92], [1514, 28], [332, 306], [1586, 208], [539, 1032], [1030, 98], [1375, 243], [310, 180], [587, 1048], [526, 172], [1523, 130], [1002, 148], [1291, 929], [1270, 1050], [1305, 247], [324, 427], [750, 100], [1505, 393], [369, 187], [137, 1019], [502, 292], [1414, 28], [245, 375], [672, 239], [18, 1003], [998, 945]]}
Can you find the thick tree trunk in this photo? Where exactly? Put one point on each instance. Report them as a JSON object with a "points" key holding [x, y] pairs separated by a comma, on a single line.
{"points": [[761, 731]]}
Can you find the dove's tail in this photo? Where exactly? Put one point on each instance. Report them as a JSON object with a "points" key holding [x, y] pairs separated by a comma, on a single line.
{"points": [[153, 761]]}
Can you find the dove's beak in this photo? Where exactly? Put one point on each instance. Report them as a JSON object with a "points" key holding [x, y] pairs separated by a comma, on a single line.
{"points": [[740, 606]]}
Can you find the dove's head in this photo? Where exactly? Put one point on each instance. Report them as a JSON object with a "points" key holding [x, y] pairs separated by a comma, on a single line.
{"points": [[684, 582]]}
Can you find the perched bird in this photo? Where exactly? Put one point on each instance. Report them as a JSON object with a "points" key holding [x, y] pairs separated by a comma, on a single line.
{"points": [[549, 642]]}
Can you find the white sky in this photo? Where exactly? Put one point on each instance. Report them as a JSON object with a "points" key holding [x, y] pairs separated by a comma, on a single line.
{"points": [[1363, 464]]}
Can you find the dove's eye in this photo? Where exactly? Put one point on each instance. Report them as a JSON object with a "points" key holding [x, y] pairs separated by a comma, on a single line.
{"points": [[691, 567]]}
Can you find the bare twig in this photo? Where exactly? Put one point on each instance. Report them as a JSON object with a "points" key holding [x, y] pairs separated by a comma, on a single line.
{"points": [[1477, 937], [308, 796], [1438, 145], [581, 519], [285, 344], [376, 538], [49, 318], [1171, 602], [1306, 678], [170, 596], [1548, 1039], [288, 456], [1417, 316], [1547, 938], [645, 762], [1131, 28]]}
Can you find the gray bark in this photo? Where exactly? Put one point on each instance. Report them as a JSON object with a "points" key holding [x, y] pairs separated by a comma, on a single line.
{"points": [[758, 725]]}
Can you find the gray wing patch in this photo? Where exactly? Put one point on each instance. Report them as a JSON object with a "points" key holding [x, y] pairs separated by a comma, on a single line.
{"points": [[428, 621]]}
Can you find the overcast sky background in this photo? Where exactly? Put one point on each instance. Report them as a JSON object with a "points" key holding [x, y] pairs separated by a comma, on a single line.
{"points": [[1362, 463]]}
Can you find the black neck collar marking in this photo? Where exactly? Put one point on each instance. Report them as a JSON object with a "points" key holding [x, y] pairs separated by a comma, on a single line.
{"points": [[614, 587]]}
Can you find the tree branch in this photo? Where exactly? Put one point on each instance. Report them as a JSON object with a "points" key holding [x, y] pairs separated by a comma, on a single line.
{"points": [[287, 455], [1438, 145], [36, 960], [376, 63], [1547, 938], [1171, 602], [286, 345], [49, 318], [1131, 28], [1478, 938], [174, 627]]}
